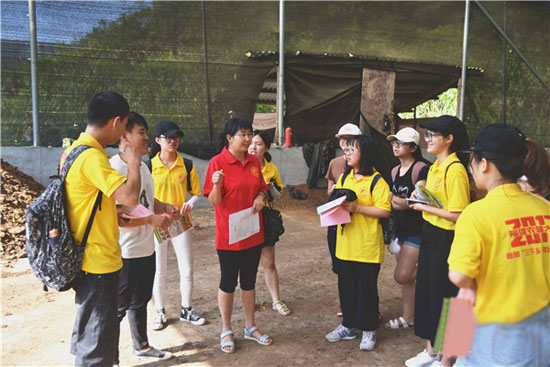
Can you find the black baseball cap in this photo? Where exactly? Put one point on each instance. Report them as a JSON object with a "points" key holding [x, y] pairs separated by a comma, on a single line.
{"points": [[448, 125], [501, 139], [167, 128]]}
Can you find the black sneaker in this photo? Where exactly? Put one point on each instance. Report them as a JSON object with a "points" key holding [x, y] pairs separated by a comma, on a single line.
{"points": [[189, 315]]}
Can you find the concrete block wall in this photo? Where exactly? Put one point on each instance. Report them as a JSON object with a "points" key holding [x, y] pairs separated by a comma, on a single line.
{"points": [[41, 162]]}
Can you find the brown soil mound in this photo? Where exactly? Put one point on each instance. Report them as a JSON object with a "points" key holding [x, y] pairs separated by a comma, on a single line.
{"points": [[17, 192]]}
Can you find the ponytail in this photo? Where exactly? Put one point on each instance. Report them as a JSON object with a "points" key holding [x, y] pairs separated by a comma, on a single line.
{"points": [[536, 167]]}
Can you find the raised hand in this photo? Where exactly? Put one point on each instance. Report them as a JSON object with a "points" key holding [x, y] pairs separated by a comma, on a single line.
{"points": [[217, 177]]}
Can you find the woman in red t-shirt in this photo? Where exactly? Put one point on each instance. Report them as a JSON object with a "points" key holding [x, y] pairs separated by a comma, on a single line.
{"points": [[233, 183]]}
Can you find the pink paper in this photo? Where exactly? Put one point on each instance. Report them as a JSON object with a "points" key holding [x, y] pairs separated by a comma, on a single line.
{"points": [[461, 326], [140, 211], [334, 216]]}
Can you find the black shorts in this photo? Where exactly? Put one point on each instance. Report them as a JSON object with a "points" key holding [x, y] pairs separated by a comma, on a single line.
{"points": [[239, 264], [432, 280]]}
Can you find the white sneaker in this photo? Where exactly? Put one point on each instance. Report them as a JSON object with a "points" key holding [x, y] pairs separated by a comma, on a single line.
{"points": [[422, 359], [368, 341], [341, 333], [159, 322]]}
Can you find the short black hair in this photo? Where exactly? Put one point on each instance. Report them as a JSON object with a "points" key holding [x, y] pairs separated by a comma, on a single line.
{"points": [[104, 106], [135, 118], [510, 167], [232, 126], [369, 155]]}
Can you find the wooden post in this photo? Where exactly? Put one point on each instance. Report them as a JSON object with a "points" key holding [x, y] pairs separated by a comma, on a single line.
{"points": [[377, 98]]}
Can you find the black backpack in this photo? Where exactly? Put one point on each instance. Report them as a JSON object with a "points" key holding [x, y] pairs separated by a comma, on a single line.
{"points": [[55, 261]]}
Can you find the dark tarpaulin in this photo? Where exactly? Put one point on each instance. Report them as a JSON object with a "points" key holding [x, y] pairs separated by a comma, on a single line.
{"points": [[322, 92]]}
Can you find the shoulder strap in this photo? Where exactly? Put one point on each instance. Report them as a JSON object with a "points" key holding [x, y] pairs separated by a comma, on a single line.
{"points": [[374, 182], [66, 166], [91, 220], [445, 177], [73, 155], [188, 167], [447, 169], [416, 170], [394, 172], [344, 176]]}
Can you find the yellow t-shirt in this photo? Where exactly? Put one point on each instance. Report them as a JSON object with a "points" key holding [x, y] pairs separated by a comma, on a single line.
{"points": [[171, 183], [363, 239], [269, 172], [501, 241], [90, 173], [453, 191]]}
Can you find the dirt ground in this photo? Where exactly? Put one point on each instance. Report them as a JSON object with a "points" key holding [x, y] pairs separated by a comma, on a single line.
{"points": [[36, 326]]}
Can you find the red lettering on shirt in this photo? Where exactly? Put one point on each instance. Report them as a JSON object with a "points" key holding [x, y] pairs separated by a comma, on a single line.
{"points": [[528, 230]]}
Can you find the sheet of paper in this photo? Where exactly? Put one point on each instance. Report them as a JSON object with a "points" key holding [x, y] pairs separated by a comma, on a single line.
{"points": [[334, 216], [243, 224], [140, 211], [461, 326]]}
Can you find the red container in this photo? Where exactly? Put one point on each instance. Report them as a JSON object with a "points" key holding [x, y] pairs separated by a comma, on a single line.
{"points": [[288, 137]]}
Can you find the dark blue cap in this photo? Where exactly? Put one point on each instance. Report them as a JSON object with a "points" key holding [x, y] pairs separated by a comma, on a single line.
{"points": [[167, 128]]}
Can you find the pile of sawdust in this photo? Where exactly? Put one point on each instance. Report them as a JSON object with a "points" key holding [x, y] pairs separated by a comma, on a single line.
{"points": [[18, 192]]}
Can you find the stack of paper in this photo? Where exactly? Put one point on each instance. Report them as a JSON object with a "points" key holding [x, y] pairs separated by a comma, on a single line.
{"points": [[456, 329], [332, 213]]}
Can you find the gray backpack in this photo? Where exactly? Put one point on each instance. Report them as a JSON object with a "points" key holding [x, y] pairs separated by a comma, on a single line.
{"points": [[55, 260]]}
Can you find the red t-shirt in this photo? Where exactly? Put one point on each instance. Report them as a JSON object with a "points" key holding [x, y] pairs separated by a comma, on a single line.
{"points": [[240, 186]]}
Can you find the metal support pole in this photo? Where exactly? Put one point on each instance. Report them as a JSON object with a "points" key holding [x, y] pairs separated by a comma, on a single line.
{"points": [[206, 77], [503, 34], [504, 69], [464, 57], [281, 72], [34, 72]]}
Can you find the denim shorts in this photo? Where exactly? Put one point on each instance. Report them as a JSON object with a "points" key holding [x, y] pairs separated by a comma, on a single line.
{"points": [[521, 344], [413, 241]]}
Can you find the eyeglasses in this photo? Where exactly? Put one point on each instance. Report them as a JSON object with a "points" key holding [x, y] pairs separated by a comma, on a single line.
{"points": [[350, 150], [428, 135], [170, 138], [249, 136], [397, 143]]}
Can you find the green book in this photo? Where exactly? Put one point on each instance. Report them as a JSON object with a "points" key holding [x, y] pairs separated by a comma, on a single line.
{"points": [[442, 327]]}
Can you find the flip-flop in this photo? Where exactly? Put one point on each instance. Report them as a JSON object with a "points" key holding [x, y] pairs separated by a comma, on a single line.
{"points": [[223, 345], [394, 324], [262, 340]]}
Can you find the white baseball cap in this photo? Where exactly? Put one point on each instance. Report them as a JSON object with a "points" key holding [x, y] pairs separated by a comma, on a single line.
{"points": [[348, 129], [406, 135]]}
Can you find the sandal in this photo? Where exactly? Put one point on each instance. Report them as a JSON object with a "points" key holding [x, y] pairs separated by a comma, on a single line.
{"points": [[224, 345], [282, 308], [399, 323], [263, 340]]}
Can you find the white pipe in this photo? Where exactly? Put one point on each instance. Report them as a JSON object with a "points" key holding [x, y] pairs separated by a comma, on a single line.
{"points": [[281, 72], [464, 57], [34, 73]]}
